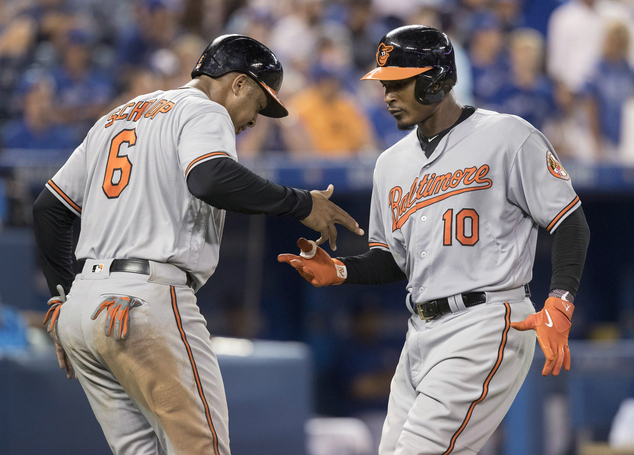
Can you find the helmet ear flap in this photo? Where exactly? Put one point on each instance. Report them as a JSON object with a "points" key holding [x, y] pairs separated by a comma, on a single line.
{"points": [[429, 88]]}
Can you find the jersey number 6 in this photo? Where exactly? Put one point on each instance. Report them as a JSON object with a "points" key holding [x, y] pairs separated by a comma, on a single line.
{"points": [[461, 227], [119, 167]]}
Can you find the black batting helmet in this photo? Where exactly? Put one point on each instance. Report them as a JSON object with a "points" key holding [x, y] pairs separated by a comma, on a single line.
{"points": [[417, 50], [244, 54]]}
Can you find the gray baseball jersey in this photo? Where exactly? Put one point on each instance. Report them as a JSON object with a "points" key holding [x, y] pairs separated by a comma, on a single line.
{"points": [[159, 390], [466, 218], [127, 181]]}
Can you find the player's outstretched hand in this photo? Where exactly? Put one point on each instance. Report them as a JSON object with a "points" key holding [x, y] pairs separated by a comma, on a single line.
{"points": [[552, 325], [325, 214], [315, 265]]}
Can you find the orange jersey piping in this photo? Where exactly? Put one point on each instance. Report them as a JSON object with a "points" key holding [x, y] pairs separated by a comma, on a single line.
{"points": [[384, 245], [54, 187], [562, 213], [200, 158]]}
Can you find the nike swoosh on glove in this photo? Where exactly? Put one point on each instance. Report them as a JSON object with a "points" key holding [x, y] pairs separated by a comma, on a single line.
{"points": [[118, 314], [318, 268], [552, 325]]}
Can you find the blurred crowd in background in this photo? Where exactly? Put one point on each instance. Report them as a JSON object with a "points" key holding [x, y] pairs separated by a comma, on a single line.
{"points": [[566, 67], [563, 66]]}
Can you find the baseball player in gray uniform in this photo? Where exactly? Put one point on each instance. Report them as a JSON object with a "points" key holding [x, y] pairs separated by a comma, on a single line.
{"points": [[456, 206], [151, 182]]}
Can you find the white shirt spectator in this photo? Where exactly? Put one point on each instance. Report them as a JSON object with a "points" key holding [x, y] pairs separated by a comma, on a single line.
{"points": [[575, 38]]}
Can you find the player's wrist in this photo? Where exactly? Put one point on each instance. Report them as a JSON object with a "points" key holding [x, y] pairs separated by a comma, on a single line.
{"points": [[563, 295], [561, 305], [341, 271]]}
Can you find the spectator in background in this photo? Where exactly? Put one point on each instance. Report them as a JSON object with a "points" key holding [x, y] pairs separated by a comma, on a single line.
{"points": [[155, 27], [187, 48], [297, 38], [17, 37], [510, 14], [326, 120], [489, 62], [81, 92], [528, 93], [569, 129], [365, 31], [37, 128], [141, 80], [575, 37], [609, 88]]}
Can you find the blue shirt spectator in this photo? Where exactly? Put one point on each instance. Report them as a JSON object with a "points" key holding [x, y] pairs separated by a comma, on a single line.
{"points": [[18, 134], [610, 87], [489, 62], [36, 129], [533, 104]]}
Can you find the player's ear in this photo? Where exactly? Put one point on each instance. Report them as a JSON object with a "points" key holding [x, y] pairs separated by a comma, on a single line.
{"points": [[240, 84]]}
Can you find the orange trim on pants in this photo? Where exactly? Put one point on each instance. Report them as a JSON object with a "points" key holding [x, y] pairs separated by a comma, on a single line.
{"points": [[199, 385], [487, 381]]}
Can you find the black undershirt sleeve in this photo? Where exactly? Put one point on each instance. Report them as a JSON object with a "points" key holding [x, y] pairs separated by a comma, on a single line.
{"points": [[569, 252], [53, 226], [375, 266], [225, 184]]}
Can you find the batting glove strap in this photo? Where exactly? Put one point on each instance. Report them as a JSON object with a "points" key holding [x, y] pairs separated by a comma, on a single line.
{"points": [[118, 314]]}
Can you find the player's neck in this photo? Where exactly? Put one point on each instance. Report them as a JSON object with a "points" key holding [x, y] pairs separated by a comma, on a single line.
{"points": [[446, 114], [210, 87]]}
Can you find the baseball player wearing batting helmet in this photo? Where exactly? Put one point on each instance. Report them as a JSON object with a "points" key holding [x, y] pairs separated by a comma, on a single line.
{"points": [[151, 182], [456, 206]]}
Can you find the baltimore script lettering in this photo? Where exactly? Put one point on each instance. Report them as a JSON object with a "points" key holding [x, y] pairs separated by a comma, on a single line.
{"points": [[444, 186]]}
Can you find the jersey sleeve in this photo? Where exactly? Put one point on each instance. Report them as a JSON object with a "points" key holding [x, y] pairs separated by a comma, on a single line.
{"points": [[204, 137], [69, 183], [376, 236], [540, 185]]}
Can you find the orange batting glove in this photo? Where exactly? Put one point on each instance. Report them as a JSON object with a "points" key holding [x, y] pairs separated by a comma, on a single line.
{"points": [[552, 325], [315, 265]]}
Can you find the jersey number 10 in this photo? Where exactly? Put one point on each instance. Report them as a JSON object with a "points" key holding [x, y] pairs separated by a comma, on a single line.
{"points": [[119, 167], [461, 227]]}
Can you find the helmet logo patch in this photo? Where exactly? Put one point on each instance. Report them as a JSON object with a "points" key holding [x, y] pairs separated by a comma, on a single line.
{"points": [[383, 53], [200, 61], [555, 167]]}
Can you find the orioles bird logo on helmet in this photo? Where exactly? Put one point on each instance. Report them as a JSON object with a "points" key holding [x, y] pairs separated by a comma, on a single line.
{"points": [[383, 53]]}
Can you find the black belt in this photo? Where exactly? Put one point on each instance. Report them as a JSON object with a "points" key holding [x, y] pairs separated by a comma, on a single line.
{"points": [[435, 308], [141, 266]]}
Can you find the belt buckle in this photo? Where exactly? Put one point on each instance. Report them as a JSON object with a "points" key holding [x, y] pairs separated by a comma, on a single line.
{"points": [[428, 310]]}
